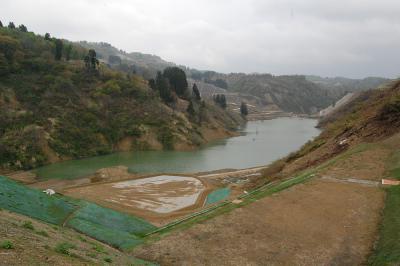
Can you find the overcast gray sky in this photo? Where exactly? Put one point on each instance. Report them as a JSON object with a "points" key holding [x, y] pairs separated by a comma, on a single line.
{"points": [[353, 38]]}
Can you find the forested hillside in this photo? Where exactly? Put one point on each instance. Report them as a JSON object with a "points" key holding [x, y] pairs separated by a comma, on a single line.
{"points": [[290, 93], [59, 101], [145, 65], [341, 86]]}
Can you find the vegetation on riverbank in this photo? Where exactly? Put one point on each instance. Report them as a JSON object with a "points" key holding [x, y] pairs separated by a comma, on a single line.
{"points": [[58, 101]]}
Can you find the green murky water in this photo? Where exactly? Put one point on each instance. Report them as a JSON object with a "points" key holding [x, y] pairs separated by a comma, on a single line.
{"points": [[260, 143]]}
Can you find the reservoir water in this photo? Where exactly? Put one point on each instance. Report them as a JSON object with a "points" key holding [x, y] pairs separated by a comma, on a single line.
{"points": [[260, 143]]}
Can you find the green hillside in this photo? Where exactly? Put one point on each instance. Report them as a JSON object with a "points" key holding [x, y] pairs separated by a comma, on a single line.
{"points": [[58, 101]]}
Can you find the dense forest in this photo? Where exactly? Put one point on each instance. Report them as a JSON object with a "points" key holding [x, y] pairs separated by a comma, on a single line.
{"points": [[58, 101]]}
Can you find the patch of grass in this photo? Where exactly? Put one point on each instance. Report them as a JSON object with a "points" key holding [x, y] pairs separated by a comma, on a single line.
{"points": [[139, 262], [7, 245], [395, 173], [64, 248], [28, 225], [108, 260], [81, 238], [394, 165], [91, 255], [387, 251], [99, 248], [42, 233]]}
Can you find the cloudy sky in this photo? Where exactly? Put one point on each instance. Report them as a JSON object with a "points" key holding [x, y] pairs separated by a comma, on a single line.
{"points": [[353, 38]]}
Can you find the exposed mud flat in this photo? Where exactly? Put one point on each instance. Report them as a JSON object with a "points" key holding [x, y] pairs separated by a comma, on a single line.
{"points": [[160, 194], [158, 199]]}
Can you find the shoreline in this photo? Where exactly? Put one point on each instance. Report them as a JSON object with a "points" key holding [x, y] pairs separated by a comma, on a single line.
{"points": [[30, 177]]}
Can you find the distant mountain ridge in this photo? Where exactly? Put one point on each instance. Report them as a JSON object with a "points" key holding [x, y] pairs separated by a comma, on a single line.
{"points": [[290, 93], [343, 85]]}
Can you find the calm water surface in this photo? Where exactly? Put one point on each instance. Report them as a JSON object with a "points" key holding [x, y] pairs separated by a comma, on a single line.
{"points": [[260, 143]]}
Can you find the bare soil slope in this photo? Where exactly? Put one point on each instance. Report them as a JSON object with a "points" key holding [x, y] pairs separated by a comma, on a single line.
{"points": [[318, 223], [36, 243]]}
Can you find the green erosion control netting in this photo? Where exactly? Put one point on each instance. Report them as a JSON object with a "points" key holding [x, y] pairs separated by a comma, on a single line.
{"points": [[109, 218], [116, 238], [34, 203], [115, 228], [218, 195]]}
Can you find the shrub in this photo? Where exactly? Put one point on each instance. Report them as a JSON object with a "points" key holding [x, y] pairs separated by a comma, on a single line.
{"points": [[109, 260], [391, 110], [28, 225], [92, 255], [7, 245], [99, 248], [64, 248]]}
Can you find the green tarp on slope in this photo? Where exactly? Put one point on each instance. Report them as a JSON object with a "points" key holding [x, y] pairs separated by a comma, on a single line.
{"points": [[218, 195], [115, 228], [34, 203]]}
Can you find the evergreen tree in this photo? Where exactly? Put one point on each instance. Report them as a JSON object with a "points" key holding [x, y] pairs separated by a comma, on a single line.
{"points": [[23, 28], [163, 86], [177, 80], [190, 109], [243, 109], [220, 99], [1, 24], [94, 62], [47, 36], [223, 101], [152, 84], [68, 51], [196, 92], [11, 25], [59, 48], [86, 59], [91, 61]]}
